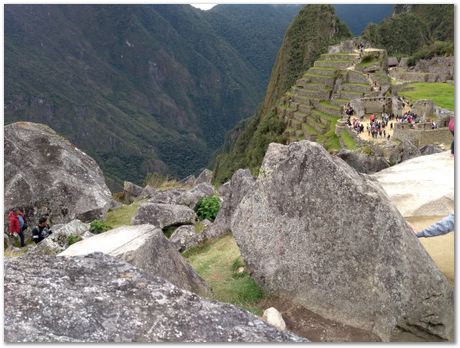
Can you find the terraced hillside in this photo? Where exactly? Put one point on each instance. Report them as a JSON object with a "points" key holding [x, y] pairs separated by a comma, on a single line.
{"points": [[312, 107]]}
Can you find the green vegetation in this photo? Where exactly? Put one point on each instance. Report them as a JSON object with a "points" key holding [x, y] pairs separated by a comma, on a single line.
{"points": [[156, 88], [330, 140], [163, 182], [438, 48], [99, 226], [122, 216], [218, 263], [72, 239], [207, 208], [348, 140], [408, 31], [442, 94]]}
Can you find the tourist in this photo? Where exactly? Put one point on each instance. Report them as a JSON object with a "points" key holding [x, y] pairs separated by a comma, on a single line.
{"points": [[439, 228], [391, 125], [451, 128], [41, 231], [14, 225]]}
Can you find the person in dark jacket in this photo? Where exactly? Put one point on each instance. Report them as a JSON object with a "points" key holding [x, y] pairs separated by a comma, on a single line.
{"points": [[14, 225], [41, 231]]}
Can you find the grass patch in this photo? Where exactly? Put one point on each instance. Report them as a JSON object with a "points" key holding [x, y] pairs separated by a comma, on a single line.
{"points": [[123, 215], [348, 140], [329, 105], [442, 94], [217, 263], [330, 140]]}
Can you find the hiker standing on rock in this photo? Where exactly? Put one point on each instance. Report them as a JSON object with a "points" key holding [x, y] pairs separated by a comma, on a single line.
{"points": [[14, 225], [41, 231]]}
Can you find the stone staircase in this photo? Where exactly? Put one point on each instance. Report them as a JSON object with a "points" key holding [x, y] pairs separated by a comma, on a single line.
{"points": [[312, 107]]}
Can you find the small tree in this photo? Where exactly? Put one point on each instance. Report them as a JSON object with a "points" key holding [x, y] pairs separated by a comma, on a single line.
{"points": [[207, 208]]}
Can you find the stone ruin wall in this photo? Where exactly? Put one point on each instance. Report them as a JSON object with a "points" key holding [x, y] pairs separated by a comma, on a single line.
{"points": [[421, 137]]}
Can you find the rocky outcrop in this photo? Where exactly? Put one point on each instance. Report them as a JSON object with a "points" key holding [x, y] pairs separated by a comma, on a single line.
{"points": [[131, 190], [363, 163], [430, 149], [46, 175], [318, 232], [186, 237], [240, 184], [146, 247], [204, 177], [181, 196], [147, 192], [188, 181], [99, 298], [163, 215], [423, 186], [403, 152]]}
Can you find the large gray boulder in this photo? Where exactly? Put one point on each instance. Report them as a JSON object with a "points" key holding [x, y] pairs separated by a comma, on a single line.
{"points": [[363, 163], [422, 186], [47, 175], [186, 237], [191, 197], [146, 247], [205, 177], [131, 190], [241, 183], [180, 196], [99, 298], [316, 231], [163, 215]]}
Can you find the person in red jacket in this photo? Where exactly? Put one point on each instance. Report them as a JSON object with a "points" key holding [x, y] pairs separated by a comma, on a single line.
{"points": [[14, 226]]}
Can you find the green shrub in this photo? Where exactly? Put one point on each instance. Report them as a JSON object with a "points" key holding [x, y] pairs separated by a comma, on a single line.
{"points": [[98, 226], [72, 239], [207, 208]]}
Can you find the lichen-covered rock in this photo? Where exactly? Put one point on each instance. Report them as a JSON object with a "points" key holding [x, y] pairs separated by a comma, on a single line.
{"points": [[240, 183], [317, 231], [422, 186], [204, 177], [186, 237], [163, 215], [146, 247], [363, 163], [46, 175], [99, 298]]}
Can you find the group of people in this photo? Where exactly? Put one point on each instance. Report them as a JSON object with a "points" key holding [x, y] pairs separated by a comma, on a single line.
{"points": [[408, 117], [17, 225], [377, 128]]}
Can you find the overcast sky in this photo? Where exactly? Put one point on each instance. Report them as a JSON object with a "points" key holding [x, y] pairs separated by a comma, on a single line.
{"points": [[204, 6]]}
